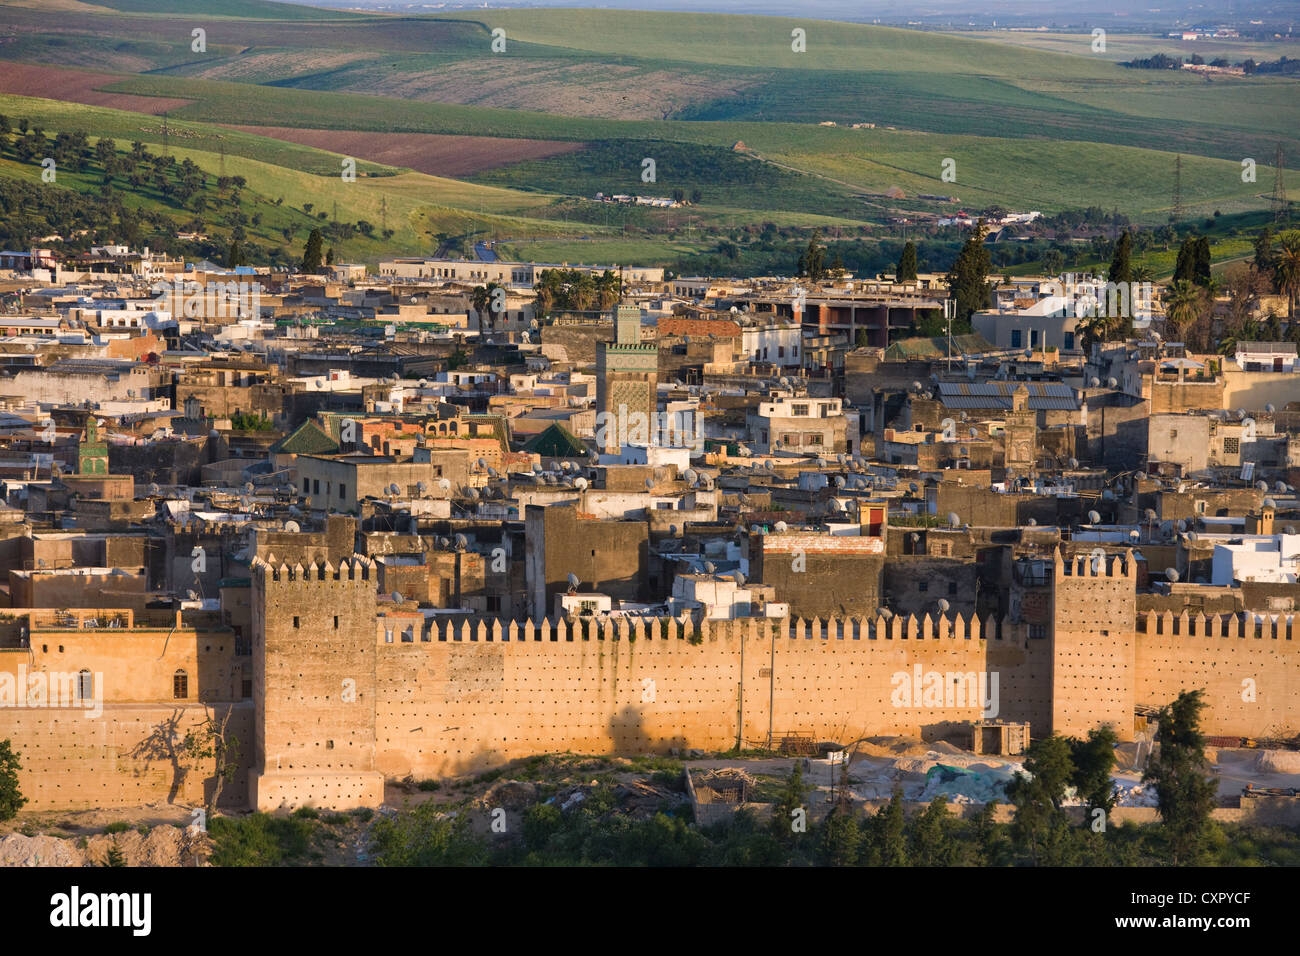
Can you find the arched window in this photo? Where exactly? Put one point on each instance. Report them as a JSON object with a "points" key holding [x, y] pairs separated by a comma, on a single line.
{"points": [[180, 685], [85, 685]]}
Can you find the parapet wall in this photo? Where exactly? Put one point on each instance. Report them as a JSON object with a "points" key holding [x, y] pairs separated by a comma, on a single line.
{"points": [[466, 697]]}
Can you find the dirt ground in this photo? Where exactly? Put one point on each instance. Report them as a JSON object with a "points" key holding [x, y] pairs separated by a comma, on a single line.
{"points": [[431, 153], [79, 86]]}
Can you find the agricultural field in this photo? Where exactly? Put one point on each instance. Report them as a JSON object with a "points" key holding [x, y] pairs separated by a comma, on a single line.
{"points": [[454, 141]]}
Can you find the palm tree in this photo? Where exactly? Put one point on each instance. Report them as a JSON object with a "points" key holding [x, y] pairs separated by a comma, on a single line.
{"points": [[1184, 300], [1286, 269]]}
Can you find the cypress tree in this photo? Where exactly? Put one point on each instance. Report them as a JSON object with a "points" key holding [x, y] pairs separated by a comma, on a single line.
{"points": [[312, 255], [906, 271]]}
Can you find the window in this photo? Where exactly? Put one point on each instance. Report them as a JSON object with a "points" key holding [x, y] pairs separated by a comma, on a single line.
{"points": [[180, 685], [798, 409], [1033, 336], [246, 688], [316, 485], [343, 492], [306, 486], [952, 587], [923, 586], [1038, 632], [814, 439], [1069, 341], [1015, 338], [780, 351], [85, 686], [336, 622], [408, 634], [1232, 446], [1173, 433], [295, 620], [388, 635]]}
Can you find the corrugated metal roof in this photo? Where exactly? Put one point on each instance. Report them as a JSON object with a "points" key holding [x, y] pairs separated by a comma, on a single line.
{"points": [[1053, 396]]}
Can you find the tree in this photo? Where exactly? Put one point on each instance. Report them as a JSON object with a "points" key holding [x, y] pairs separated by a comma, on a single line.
{"points": [[311, 254], [812, 260], [1286, 271], [11, 797], [906, 271], [841, 837], [211, 740], [235, 257], [696, 197], [1184, 301], [1094, 759], [1121, 268], [790, 799], [1201, 261], [1184, 790], [1039, 826], [115, 856], [931, 841], [886, 841], [329, 256], [1184, 264], [968, 279]]}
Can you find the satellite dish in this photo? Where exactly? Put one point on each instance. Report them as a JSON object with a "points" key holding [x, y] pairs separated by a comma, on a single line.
{"points": [[953, 520], [914, 537], [1133, 534], [839, 481], [1112, 382], [1094, 517], [291, 527], [462, 542], [709, 567], [782, 526], [153, 488], [397, 597], [690, 476], [739, 578], [944, 605], [248, 486], [393, 489], [1150, 514], [1262, 485], [913, 488], [974, 432], [1095, 382], [573, 580], [884, 612], [1182, 525], [1074, 463], [1171, 574], [1270, 503], [445, 484], [580, 483], [1032, 522], [421, 487], [649, 484]]}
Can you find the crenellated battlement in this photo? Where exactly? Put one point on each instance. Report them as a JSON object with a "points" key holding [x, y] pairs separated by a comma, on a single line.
{"points": [[1252, 624], [269, 570], [549, 630], [1097, 564]]}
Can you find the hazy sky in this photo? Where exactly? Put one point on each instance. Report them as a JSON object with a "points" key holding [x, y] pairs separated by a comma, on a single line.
{"points": [[1146, 12]]}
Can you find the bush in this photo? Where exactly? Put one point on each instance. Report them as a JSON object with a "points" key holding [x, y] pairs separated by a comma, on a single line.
{"points": [[259, 839], [11, 797], [428, 785], [117, 826]]}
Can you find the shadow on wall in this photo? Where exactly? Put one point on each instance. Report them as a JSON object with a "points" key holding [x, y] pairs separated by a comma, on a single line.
{"points": [[165, 744], [628, 732]]}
